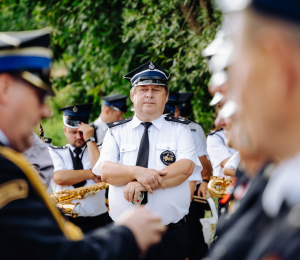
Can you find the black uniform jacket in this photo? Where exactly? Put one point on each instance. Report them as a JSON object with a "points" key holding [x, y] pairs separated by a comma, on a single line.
{"points": [[32, 227], [237, 232]]}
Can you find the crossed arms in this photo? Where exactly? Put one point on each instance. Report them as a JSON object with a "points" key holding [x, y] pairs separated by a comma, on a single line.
{"points": [[146, 179]]}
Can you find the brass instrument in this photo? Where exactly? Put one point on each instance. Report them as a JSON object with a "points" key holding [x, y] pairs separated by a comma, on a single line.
{"points": [[41, 132], [64, 198], [217, 186]]}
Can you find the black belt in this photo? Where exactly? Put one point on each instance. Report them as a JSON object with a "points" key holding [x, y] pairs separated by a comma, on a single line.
{"points": [[174, 225]]}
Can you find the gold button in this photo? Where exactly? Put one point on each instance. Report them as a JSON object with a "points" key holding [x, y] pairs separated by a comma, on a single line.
{"points": [[148, 130], [123, 149]]}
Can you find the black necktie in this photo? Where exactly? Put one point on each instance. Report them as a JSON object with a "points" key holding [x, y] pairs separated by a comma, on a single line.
{"points": [[77, 164], [143, 154]]}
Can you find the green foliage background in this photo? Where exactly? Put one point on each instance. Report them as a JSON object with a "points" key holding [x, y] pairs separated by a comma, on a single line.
{"points": [[100, 41]]}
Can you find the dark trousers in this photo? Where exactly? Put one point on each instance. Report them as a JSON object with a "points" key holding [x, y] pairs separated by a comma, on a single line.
{"points": [[88, 224], [197, 246], [173, 246]]}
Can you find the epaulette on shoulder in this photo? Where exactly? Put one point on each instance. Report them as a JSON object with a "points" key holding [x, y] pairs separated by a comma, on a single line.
{"points": [[58, 147], [213, 132], [120, 122], [177, 120]]}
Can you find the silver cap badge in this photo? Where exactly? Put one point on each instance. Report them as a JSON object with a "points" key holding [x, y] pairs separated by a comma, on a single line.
{"points": [[151, 66]]}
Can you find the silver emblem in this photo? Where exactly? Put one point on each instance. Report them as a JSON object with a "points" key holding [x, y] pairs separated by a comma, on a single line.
{"points": [[151, 66], [181, 119], [75, 109], [115, 123]]}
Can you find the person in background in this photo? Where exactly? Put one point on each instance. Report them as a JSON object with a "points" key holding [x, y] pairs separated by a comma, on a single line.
{"points": [[39, 157], [112, 109], [154, 154], [73, 165]]}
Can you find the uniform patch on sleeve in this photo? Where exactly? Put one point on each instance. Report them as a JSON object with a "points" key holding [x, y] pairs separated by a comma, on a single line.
{"points": [[13, 190]]}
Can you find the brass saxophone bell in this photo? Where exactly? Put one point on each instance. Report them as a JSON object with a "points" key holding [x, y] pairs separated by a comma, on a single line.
{"points": [[64, 198], [72, 210], [217, 186]]}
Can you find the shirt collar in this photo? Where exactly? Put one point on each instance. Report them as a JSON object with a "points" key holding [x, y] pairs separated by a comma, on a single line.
{"points": [[99, 122], [157, 122], [283, 186], [73, 148], [3, 138]]}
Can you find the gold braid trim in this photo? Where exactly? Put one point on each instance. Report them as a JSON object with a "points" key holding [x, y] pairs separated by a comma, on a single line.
{"points": [[72, 232]]}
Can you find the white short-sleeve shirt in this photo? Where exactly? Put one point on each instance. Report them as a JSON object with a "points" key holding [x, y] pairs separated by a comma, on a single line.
{"points": [[218, 151], [233, 162], [101, 129], [121, 145], [199, 138], [62, 160]]}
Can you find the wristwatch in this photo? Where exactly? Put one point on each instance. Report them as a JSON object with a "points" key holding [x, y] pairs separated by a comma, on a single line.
{"points": [[92, 139]]}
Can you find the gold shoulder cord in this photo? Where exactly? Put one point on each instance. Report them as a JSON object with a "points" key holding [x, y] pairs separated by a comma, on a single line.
{"points": [[72, 232]]}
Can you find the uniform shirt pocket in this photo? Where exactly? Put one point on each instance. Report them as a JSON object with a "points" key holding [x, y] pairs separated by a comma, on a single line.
{"points": [[128, 154], [162, 154]]}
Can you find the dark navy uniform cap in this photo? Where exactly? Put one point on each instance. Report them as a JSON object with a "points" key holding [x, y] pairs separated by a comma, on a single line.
{"points": [[117, 102], [172, 103], [148, 74], [74, 115], [185, 105], [28, 55], [284, 9]]}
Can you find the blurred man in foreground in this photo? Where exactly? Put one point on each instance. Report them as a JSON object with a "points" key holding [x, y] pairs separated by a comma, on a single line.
{"points": [[30, 223], [264, 82]]}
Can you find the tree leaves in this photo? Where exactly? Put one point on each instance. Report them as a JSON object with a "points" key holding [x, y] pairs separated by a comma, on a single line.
{"points": [[100, 41]]}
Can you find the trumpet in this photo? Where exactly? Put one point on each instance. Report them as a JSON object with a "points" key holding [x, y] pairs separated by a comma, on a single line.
{"points": [[217, 186], [64, 198]]}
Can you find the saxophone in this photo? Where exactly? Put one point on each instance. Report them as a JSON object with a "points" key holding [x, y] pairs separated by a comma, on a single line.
{"points": [[41, 132], [64, 198], [217, 185]]}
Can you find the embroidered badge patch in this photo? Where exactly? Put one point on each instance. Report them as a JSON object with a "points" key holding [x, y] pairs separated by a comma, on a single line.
{"points": [[167, 157], [13, 190]]}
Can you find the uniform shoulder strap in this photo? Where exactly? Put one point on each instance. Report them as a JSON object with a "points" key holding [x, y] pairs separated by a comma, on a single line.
{"points": [[213, 132], [99, 144], [71, 232], [120, 122], [177, 120], [58, 147]]}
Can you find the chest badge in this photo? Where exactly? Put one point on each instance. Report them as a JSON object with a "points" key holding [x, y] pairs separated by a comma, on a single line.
{"points": [[167, 157]]}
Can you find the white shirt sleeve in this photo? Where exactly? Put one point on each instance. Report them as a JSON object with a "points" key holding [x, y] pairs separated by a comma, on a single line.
{"points": [[199, 145], [186, 150], [109, 152], [233, 162], [217, 150], [58, 161]]}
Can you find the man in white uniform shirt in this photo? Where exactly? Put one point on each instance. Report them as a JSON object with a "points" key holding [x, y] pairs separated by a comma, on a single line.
{"points": [[112, 109], [73, 165], [218, 151], [153, 154]]}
